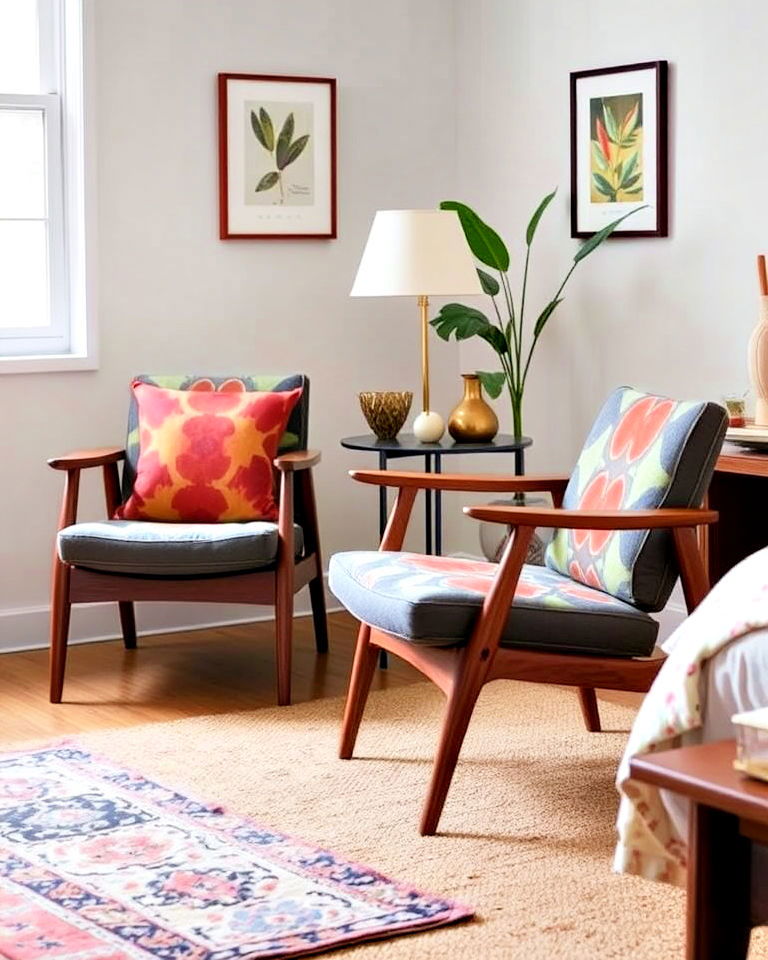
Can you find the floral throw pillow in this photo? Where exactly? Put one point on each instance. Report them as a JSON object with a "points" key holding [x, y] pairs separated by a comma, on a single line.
{"points": [[206, 456]]}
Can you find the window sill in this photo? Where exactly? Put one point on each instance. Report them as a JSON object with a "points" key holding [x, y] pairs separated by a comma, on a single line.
{"points": [[54, 363]]}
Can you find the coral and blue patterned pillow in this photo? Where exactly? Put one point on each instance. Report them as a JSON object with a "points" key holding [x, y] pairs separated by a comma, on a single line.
{"points": [[643, 452], [206, 455]]}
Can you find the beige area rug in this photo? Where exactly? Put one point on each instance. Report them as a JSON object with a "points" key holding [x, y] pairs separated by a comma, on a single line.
{"points": [[526, 836]]}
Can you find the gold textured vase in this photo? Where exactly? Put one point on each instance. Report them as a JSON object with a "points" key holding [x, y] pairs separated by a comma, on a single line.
{"points": [[386, 411], [473, 420]]}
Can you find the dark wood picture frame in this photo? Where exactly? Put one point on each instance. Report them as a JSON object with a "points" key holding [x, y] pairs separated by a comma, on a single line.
{"points": [[660, 203], [226, 231]]}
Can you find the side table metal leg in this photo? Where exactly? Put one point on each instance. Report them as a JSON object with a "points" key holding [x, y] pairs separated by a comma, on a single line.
{"points": [[438, 510], [383, 658], [428, 507], [519, 463], [382, 497]]}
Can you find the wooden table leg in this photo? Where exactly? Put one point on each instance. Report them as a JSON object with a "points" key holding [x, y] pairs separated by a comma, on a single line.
{"points": [[718, 907]]}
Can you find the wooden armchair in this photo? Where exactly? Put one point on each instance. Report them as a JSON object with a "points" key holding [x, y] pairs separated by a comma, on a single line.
{"points": [[128, 561], [583, 620]]}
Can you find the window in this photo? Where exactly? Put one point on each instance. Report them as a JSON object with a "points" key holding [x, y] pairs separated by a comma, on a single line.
{"points": [[42, 214]]}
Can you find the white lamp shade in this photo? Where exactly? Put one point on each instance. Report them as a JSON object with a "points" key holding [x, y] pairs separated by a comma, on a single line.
{"points": [[416, 253]]}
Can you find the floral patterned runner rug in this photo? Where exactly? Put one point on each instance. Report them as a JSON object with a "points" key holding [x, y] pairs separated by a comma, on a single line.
{"points": [[99, 863]]}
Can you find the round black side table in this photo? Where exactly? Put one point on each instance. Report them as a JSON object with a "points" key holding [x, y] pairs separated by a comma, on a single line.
{"points": [[406, 445]]}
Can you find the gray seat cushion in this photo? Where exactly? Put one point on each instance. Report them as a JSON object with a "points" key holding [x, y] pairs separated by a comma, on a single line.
{"points": [[143, 548], [436, 601]]}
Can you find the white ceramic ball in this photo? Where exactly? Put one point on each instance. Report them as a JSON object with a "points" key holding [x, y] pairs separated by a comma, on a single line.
{"points": [[428, 427]]}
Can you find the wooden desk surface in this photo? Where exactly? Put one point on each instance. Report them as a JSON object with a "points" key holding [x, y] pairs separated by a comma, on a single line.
{"points": [[705, 774], [735, 459]]}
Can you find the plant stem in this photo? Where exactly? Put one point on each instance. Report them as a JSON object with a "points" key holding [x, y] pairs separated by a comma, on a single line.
{"points": [[522, 309], [513, 325]]}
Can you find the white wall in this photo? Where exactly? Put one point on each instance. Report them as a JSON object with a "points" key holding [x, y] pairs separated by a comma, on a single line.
{"points": [[173, 297], [674, 314], [670, 315]]}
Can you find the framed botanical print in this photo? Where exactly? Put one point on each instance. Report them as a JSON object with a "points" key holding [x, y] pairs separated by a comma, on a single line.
{"points": [[277, 157], [619, 149]]}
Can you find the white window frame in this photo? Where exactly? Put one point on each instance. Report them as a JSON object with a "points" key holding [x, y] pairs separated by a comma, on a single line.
{"points": [[66, 58]]}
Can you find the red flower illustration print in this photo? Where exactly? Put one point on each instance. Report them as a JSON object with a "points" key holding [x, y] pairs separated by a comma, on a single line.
{"points": [[600, 494], [639, 428]]}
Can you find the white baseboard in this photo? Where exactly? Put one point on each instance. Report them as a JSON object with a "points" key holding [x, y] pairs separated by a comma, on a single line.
{"points": [[26, 628]]}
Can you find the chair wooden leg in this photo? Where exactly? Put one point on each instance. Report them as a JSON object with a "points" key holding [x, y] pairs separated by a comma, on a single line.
{"points": [[317, 598], [284, 642], [363, 669], [589, 709], [60, 610], [458, 712], [128, 624]]}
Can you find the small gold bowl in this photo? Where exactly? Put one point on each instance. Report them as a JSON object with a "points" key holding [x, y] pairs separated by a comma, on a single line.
{"points": [[386, 411]]}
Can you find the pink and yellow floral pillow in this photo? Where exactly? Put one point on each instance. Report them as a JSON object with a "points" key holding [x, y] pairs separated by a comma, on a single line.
{"points": [[206, 456]]}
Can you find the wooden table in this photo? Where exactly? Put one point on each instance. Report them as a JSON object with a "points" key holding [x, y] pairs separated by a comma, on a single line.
{"points": [[739, 492], [729, 812]]}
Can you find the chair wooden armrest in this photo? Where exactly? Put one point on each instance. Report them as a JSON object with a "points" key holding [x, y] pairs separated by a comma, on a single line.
{"points": [[82, 459], [479, 483], [298, 460], [663, 518], [105, 457]]}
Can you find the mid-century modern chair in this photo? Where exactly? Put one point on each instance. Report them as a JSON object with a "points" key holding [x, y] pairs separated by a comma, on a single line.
{"points": [[253, 562], [626, 526]]}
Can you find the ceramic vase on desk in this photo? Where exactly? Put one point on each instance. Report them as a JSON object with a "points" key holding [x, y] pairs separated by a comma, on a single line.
{"points": [[473, 420], [758, 350]]}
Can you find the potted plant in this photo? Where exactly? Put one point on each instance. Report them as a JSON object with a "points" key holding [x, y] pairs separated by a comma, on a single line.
{"points": [[507, 334]]}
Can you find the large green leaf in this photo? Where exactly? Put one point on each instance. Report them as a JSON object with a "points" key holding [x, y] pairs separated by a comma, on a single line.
{"points": [[284, 140], [468, 322], [489, 284], [296, 149], [269, 130], [626, 184], [267, 181], [534, 221], [493, 382], [597, 238], [483, 241], [545, 314], [461, 308], [259, 130]]}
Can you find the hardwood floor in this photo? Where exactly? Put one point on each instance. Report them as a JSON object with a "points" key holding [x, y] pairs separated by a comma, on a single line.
{"points": [[175, 675], [178, 675]]}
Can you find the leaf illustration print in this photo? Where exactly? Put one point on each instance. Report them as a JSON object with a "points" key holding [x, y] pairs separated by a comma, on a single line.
{"points": [[284, 151]]}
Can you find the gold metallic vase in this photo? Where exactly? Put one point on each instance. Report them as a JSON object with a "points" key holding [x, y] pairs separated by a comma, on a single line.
{"points": [[473, 420]]}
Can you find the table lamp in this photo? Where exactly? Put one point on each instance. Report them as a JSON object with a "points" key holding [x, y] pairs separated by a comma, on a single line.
{"points": [[417, 253]]}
